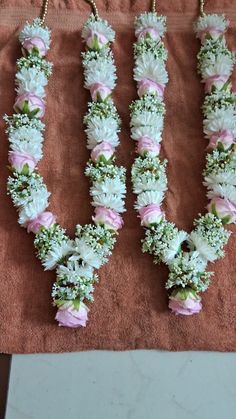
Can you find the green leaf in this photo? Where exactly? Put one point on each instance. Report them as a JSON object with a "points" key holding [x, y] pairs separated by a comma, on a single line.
{"points": [[25, 169], [226, 219], [225, 86], [76, 304], [25, 108]]}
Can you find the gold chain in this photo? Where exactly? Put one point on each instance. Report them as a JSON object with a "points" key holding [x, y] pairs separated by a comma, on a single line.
{"points": [[44, 11], [94, 7], [153, 6], [202, 7]]}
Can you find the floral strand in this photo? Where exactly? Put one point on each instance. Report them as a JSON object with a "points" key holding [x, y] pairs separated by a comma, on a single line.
{"points": [[74, 260], [187, 269]]}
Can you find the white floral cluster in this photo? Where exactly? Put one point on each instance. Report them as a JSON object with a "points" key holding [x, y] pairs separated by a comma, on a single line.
{"points": [[147, 117], [35, 30], [29, 194], [96, 25], [163, 241], [208, 237], [99, 69], [187, 269], [25, 135], [102, 122], [75, 260], [149, 180]]}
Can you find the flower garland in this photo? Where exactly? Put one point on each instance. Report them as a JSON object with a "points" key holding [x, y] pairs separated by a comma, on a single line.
{"points": [[187, 269], [74, 260]]}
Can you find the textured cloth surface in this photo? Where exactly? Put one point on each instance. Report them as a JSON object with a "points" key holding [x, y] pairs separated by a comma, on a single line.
{"points": [[130, 308]]}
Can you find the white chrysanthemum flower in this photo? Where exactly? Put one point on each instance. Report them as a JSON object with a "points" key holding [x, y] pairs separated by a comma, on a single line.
{"points": [[150, 20], [211, 21], [31, 80], [27, 140], [101, 26], [144, 118], [151, 68], [220, 177], [34, 149], [55, 255], [112, 201], [148, 131], [73, 268], [219, 120], [86, 253], [174, 247], [108, 186], [102, 129], [101, 70], [35, 30], [224, 191], [36, 203], [147, 198], [140, 186], [146, 124], [220, 65], [206, 252]]}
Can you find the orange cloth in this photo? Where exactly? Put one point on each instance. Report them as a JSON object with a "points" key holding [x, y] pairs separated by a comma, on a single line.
{"points": [[130, 308]]}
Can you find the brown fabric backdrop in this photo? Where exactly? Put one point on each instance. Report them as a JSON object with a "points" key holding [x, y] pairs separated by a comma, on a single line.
{"points": [[130, 309]]}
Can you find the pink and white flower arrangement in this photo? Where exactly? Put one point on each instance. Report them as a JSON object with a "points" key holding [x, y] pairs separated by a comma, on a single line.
{"points": [[188, 276], [74, 260]]}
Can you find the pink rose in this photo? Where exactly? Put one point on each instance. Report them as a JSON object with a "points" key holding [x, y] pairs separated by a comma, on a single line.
{"points": [[69, 316], [146, 144], [148, 86], [20, 161], [143, 32], [214, 32], [185, 301], [103, 149], [96, 40], [99, 91], [224, 209], [37, 44], [225, 137], [44, 219], [217, 81], [110, 218], [150, 214], [30, 103]]}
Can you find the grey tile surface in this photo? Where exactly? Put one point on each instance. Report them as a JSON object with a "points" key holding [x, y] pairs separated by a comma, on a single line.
{"points": [[127, 385]]}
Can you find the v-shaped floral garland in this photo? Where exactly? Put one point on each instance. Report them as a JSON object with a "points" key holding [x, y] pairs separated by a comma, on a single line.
{"points": [[187, 274], [74, 260]]}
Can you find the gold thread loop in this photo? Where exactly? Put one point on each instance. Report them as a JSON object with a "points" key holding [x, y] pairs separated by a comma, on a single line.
{"points": [[94, 8], [153, 6], [44, 11], [202, 3]]}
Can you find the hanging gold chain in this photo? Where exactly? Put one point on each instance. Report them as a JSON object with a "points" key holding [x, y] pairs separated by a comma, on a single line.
{"points": [[94, 7], [202, 7], [44, 11], [153, 6]]}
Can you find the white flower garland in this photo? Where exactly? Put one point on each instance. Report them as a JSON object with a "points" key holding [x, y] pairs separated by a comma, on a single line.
{"points": [[187, 269], [74, 260]]}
